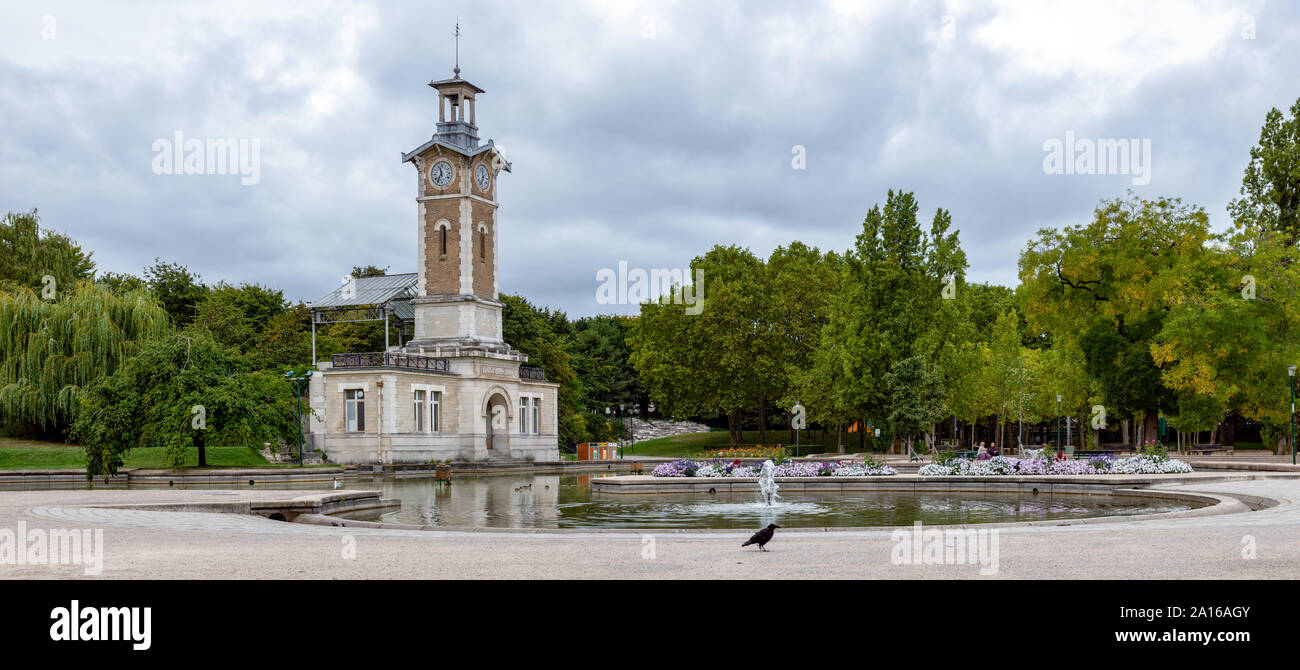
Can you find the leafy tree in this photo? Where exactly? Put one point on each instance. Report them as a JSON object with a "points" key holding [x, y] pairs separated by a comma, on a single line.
{"points": [[235, 315], [50, 350], [122, 283], [891, 304], [286, 340], [915, 399], [29, 253], [180, 393], [801, 286], [1270, 189], [707, 363], [1005, 363], [600, 353], [1104, 284], [179, 290]]}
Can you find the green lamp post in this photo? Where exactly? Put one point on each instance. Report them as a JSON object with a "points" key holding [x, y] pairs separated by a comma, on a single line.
{"points": [[298, 380], [1059, 447], [1290, 371]]}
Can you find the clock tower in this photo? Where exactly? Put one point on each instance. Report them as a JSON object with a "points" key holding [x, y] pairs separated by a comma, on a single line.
{"points": [[457, 309], [456, 391]]}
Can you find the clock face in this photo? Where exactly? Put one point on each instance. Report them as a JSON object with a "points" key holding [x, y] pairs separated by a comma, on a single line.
{"points": [[440, 173], [482, 177]]}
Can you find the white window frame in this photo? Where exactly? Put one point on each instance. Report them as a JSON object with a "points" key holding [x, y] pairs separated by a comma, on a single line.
{"points": [[433, 394], [537, 415], [418, 402], [354, 411], [523, 415]]}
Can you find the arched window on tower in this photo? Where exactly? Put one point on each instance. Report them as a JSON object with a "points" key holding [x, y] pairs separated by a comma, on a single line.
{"points": [[444, 230], [482, 243]]}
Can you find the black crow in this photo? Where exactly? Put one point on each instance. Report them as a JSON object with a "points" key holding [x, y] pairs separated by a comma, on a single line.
{"points": [[762, 537]]}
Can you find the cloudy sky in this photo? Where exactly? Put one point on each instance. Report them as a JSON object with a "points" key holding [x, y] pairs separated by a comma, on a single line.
{"points": [[643, 132]]}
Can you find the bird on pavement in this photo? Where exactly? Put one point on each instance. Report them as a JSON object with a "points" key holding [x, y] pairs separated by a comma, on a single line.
{"points": [[762, 537]]}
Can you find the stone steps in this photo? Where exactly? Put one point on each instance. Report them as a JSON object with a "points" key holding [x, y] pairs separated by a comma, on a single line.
{"points": [[654, 429]]}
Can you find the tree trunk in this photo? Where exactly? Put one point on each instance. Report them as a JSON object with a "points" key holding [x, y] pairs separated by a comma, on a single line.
{"points": [[1228, 429], [762, 420], [1123, 429], [1150, 425], [733, 427]]}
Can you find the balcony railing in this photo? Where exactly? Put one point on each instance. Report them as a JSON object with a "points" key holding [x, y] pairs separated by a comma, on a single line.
{"points": [[381, 359], [533, 374]]}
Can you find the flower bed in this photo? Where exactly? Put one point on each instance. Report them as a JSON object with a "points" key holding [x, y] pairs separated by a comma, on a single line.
{"points": [[1101, 465], [757, 451], [686, 467]]}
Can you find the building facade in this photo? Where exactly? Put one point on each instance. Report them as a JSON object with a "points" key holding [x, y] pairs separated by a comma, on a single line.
{"points": [[455, 391]]}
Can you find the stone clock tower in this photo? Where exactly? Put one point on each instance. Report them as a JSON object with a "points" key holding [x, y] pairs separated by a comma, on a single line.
{"points": [[456, 195], [456, 391]]}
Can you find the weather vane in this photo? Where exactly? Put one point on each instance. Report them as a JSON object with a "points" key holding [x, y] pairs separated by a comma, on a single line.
{"points": [[457, 36]]}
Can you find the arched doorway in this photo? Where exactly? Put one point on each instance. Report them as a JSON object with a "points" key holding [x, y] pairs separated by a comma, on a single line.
{"points": [[498, 416]]}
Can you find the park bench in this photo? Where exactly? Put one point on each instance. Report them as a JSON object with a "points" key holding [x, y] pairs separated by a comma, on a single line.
{"points": [[1208, 449]]}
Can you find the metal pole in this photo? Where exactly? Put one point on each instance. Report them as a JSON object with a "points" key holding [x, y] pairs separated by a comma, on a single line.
{"points": [[298, 386], [313, 340], [1058, 424], [1293, 416]]}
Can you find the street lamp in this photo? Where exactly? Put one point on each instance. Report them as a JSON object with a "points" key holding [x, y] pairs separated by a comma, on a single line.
{"points": [[297, 388], [1059, 447], [1290, 371]]}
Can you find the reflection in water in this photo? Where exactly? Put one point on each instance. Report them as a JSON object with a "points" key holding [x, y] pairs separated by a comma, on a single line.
{"points": [[526, 500], [566, 501]]}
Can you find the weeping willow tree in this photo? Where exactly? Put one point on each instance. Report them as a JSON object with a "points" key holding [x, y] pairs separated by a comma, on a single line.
{"points": [[52, 349]]}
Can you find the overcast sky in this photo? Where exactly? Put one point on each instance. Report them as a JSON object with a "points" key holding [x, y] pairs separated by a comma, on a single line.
{"points": [[642, 132]]}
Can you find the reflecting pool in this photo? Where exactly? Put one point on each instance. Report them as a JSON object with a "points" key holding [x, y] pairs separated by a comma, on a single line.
{"points": [[567, 501]]}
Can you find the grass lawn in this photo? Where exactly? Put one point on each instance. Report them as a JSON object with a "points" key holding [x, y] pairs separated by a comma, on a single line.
{"points": [[32, 455], [691, 444]]}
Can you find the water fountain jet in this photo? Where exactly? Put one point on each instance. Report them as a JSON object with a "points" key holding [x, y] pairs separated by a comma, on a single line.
{"points": [[767, 482]]}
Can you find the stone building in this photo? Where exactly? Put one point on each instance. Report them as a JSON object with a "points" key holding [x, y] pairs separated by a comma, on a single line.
{"points": [[455, 390]]}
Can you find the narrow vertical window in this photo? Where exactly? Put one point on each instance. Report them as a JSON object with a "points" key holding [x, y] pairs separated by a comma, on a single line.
{"points": [[523, 416], [444, 240], [419, 411], [482, 245], [537, 416], [355, 410], [435, 411]]}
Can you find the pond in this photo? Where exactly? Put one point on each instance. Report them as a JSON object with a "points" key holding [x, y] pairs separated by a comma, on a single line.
{"points": [[567, 501]]}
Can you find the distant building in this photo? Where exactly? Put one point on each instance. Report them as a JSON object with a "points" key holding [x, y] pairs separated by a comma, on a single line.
{"points": [[455, 391]]}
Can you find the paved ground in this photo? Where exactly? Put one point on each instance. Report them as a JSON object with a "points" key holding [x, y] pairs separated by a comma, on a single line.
{"points": [[154, 544]]}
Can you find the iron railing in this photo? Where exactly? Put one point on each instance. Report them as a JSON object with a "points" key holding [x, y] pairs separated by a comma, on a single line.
{"points": [[382, 359], [534, 374]]}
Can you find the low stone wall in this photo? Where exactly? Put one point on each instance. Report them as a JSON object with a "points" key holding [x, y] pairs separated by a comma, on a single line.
{"points": [[33, 479], [1028, 484], [282, 509]]}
